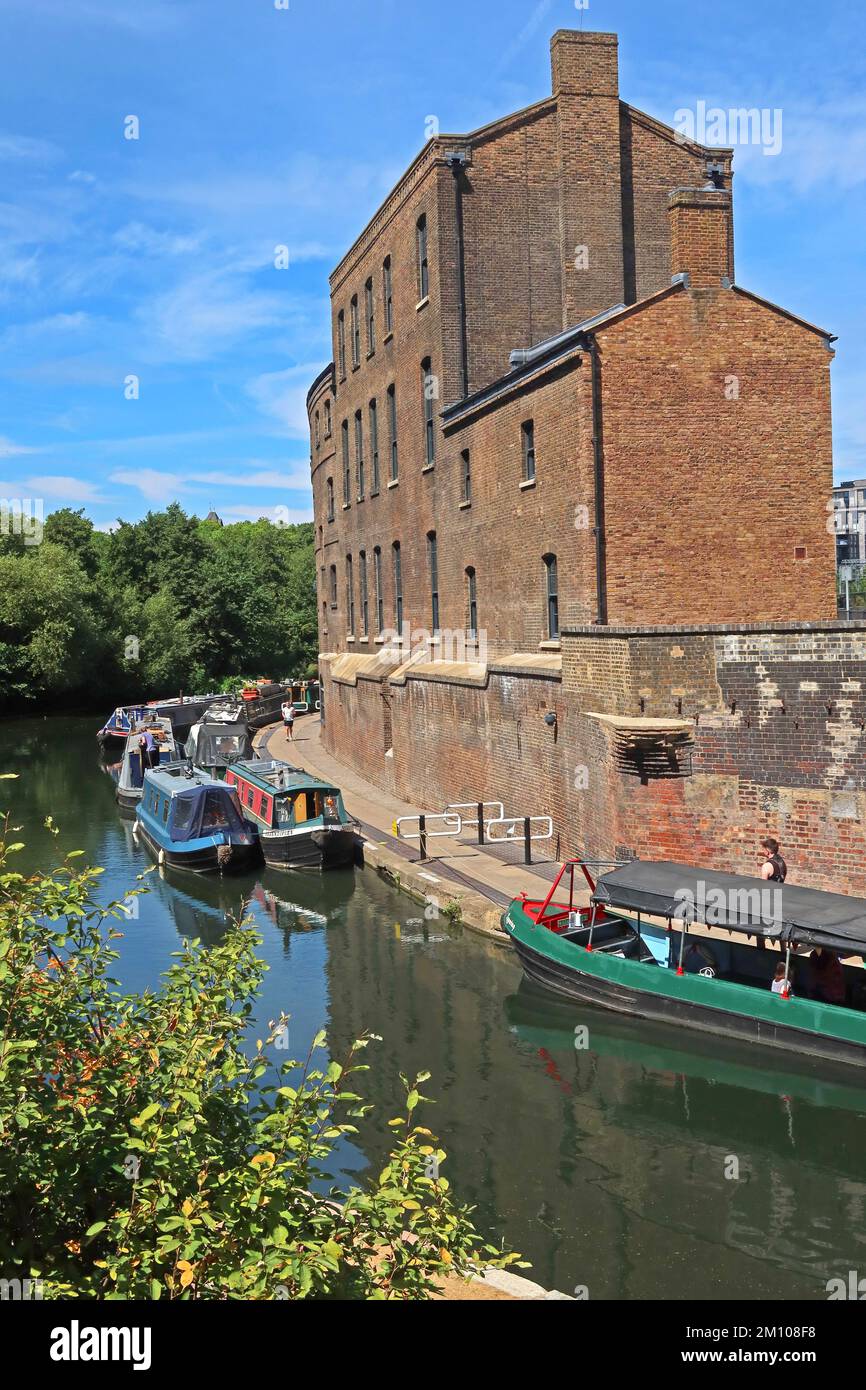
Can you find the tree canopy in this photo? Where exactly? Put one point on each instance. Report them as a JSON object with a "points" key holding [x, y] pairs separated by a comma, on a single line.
{"points": [[153, 607]]}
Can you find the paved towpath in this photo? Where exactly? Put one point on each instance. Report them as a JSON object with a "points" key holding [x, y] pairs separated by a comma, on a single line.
{"points": [[453, 860]]}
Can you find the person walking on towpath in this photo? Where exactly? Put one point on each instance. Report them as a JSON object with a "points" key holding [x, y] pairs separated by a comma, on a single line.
{"points": [[289, 719], [774, 868]]}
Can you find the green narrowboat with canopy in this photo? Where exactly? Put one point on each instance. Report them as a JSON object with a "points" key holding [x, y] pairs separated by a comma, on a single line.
{"points": [[721, 953]]}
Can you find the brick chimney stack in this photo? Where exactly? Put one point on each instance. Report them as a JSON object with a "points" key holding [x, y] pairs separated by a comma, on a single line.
{"points": [[584, 64], [585, 75], [701, 236]]}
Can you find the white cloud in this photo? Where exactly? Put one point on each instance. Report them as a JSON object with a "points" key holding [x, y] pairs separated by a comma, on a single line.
{"points": [[202, 316], [25, 147], [136, 237], [150, 482], [54, 486], [283, 396], [9, 450], [295, 477], [278, 514]]}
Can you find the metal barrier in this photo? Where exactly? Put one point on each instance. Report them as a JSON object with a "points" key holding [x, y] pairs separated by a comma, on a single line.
{"points": [[526, 832], [422, 834], [517, 828], [478, 807]]}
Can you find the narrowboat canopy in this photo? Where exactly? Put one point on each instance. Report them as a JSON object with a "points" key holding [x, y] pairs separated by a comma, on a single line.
{"points": [[199, 804], [756, 906]]}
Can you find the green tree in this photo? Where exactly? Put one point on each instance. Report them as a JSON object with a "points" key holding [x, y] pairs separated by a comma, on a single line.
{"points": [[149, 1150]]}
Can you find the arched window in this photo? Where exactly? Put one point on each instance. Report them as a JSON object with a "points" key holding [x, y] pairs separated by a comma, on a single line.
{"points": [[472, 605], [423, 264], [552, 597], [398, 586], [428, 386], [433, 570], [388, 295]]}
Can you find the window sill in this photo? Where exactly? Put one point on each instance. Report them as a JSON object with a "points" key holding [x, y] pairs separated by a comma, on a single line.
{"points": [[371, 353], [375, 492], [395, 482], [554, 645], [387, 338], [526, 484], [422, 303], [330, 520], [346, 506], [350, 637], [359, 499], [428, 468], [463, 505]]}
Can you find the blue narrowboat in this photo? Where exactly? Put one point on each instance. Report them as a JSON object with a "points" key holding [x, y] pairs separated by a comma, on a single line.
{"points": [[189, 820]]}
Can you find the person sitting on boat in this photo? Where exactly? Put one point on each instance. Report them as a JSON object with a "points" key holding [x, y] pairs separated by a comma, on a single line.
{"points": [[826, 977], [780, 984], [774, 868]]}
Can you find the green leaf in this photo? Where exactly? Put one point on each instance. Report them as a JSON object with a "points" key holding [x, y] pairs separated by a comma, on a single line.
{"points": [[95, 1229]]}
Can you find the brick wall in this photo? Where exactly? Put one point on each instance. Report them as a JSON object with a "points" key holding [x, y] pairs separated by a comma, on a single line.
{"points": [[717, 461], [777, 720]]}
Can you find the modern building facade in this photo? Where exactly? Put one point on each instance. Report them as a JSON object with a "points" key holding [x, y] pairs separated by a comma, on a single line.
{"points": [[556, 424]]}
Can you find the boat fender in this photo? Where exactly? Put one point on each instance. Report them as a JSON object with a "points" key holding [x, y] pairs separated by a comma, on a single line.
{"points": [[161, 857], [135, 828]]}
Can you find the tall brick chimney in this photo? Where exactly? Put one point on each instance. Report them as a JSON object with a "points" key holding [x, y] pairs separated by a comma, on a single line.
{"points": [[585, 76], [701, 235], [584, 64]]}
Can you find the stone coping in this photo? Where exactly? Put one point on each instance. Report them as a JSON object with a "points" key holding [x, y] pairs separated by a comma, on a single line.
{"points": [[711, 629]]}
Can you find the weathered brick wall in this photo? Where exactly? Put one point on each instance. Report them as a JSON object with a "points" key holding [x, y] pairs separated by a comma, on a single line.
{"points": [[455, 743], [778, 723]]}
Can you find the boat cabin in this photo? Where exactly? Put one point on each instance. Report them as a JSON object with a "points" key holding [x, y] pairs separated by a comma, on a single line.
{"points": [[277, 796], [187, 805]]}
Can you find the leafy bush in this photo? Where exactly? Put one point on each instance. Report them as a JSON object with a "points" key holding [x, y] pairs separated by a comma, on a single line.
{"points": [[145, 1154]]}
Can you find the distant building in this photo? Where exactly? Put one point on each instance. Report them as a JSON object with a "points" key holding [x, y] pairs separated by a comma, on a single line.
{"points": [[212, 516], [849, 515]]}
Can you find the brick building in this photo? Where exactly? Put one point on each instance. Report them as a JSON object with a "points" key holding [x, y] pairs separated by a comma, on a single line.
{"points": [[553, 416]]}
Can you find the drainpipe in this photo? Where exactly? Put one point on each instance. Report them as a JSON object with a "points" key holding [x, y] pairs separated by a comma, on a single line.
{"points": [[598, 476], [457, 161]]}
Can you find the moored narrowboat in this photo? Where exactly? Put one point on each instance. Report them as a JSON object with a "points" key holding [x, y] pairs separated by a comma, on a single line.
{"points": [[183, 711], [151, 744], [262, 702], [738, 957], [302, 822], [220, 738], [189, 820]]}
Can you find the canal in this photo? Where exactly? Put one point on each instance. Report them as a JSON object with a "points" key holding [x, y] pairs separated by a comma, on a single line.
{"points": [[640, 1166]]}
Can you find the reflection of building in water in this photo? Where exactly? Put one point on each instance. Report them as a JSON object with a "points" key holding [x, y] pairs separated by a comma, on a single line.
{"points": [[605, 1166]]}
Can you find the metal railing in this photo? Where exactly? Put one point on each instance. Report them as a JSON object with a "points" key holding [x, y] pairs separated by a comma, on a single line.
{"points": [[516, 829]]}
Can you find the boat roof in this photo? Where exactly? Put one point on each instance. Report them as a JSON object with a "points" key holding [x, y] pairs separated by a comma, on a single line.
{"points": [[270, 773], [174, 778], [757, 906]]}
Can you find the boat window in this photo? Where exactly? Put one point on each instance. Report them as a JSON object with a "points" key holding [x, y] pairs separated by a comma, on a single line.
{"points": [[284, 810], [165, 811], [332, 808], [235, 804], [184, 814], [215, 812]]}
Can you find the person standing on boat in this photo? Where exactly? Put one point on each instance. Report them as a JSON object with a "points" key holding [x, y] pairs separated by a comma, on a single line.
{"points": [[149, 750], [774, 868], [289, 719], [826, 976]]}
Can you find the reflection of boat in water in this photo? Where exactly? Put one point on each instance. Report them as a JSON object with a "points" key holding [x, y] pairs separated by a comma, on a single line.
{"points": [[551, 1025], [191, 821], [207, 916]]}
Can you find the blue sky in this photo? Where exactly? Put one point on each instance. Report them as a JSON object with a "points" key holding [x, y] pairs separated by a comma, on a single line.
{"points": [[262, 127]]}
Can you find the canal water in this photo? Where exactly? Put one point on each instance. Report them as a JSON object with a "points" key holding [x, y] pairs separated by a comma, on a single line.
{"points": [[643, 1165]]}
